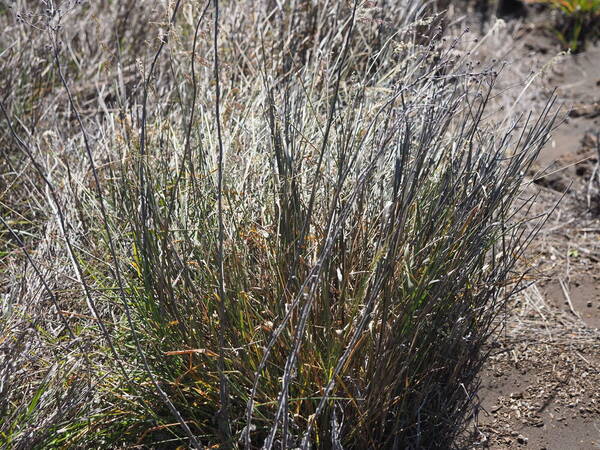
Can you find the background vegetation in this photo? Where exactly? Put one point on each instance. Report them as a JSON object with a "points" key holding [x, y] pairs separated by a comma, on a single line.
{"points": [[580, 22]]}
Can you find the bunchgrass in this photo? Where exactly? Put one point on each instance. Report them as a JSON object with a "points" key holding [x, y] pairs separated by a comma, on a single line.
{"points": [[578, 22], [293, 226]]}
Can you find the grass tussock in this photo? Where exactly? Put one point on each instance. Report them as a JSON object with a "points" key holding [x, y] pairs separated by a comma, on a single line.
{"points": [[578, 23], [246, 224]]}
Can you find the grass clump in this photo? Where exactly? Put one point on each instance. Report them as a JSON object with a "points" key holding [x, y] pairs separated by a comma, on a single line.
{"points": [[579, 23], [294, 228]]}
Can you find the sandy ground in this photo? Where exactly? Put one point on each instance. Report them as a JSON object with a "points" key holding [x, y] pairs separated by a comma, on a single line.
{"points": [[541, 387]]}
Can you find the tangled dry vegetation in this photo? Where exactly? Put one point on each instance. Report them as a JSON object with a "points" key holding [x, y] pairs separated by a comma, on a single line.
{"points": [[245, 223]]}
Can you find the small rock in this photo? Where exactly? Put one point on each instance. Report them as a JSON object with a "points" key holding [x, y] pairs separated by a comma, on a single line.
{"points": [[522, 439]]}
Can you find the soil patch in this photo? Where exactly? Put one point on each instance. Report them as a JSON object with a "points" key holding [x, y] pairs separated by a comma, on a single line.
{"points": [[580, 298], [541, 387]]}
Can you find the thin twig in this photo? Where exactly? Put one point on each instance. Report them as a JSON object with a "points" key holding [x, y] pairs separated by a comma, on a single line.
{"points": [[567, 296], [223, 414]]}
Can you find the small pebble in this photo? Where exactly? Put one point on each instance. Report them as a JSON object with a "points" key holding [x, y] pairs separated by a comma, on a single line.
{"points": [[589, 304], [522, 439]]}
